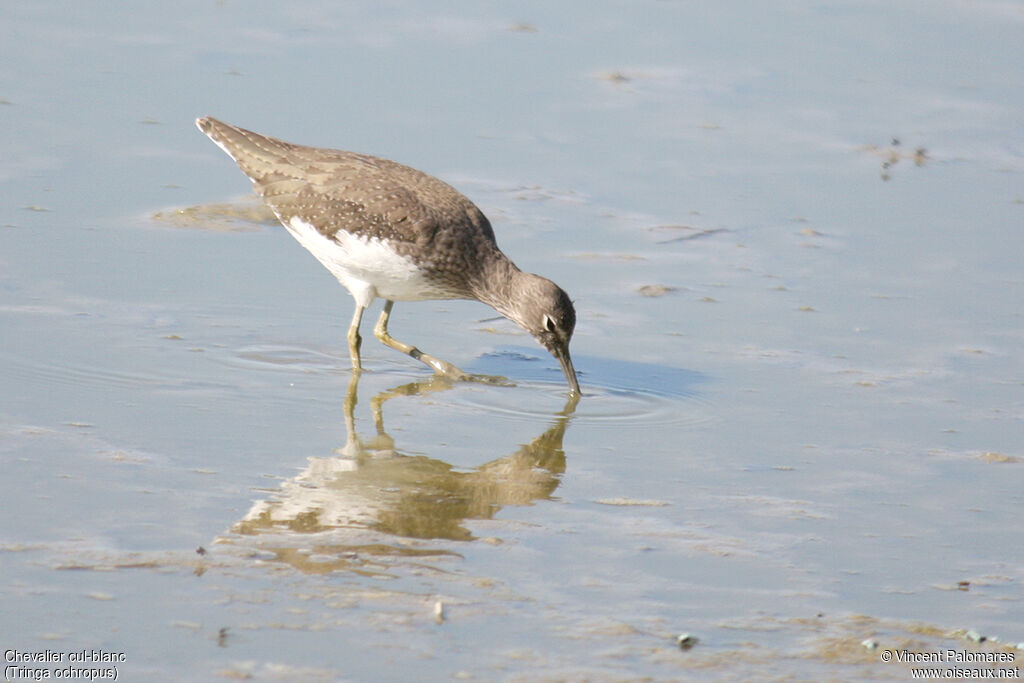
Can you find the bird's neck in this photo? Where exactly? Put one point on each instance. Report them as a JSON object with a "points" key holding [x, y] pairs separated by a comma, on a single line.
{"points": [[498, 288]]}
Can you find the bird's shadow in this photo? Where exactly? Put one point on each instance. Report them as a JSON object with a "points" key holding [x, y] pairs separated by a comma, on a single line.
{"points": [[526, 364]]}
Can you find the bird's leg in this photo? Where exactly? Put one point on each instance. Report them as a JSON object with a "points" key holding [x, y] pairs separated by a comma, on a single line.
{"points": [[354, 340], [436, 364]]}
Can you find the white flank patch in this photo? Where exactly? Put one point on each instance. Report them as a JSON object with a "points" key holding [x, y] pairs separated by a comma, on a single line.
{"points": [[368, 268]]}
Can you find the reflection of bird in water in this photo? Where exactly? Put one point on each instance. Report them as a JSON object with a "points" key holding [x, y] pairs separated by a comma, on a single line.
{"points": [[371, 485]]}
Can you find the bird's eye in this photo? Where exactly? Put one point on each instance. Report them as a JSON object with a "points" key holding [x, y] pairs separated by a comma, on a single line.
{"points": [[549, 324]]}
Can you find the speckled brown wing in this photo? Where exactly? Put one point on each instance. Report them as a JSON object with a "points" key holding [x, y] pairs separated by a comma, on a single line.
{"points": [[363, 195]]}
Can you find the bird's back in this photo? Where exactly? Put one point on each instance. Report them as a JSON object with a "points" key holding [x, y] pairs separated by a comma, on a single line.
{"points": [[363, 195]]}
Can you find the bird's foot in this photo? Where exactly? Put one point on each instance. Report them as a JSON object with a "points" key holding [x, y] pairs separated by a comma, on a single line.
{"points": [[494, 380], [445, 369]]}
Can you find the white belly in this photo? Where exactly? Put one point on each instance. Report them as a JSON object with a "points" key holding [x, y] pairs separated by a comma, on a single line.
{"points": [[368, 268]]}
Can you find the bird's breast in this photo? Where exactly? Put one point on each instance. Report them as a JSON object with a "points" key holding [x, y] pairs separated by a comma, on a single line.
{"points": [[361, 261]]}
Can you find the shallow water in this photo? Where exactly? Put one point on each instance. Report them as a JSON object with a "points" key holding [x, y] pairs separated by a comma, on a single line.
{"points": [[793, 239]]}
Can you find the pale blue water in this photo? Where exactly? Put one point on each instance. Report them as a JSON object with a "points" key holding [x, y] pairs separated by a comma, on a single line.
{"points": [[808, 439]]}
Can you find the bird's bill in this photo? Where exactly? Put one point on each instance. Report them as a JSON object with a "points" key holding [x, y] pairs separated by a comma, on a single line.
{"points": [[561, 353]]}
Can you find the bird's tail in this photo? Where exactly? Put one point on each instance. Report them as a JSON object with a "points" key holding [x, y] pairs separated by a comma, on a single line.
{"points": [[257, 155]]}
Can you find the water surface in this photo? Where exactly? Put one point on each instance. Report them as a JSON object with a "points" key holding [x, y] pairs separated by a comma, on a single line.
{"points": [[792, 235]]}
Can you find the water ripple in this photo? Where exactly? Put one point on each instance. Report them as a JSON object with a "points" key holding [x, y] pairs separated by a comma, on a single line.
{"points": [[615, 393], [288, 358]]}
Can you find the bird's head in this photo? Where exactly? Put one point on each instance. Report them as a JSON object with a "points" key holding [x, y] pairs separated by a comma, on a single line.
{"points": [[546, 312]]}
